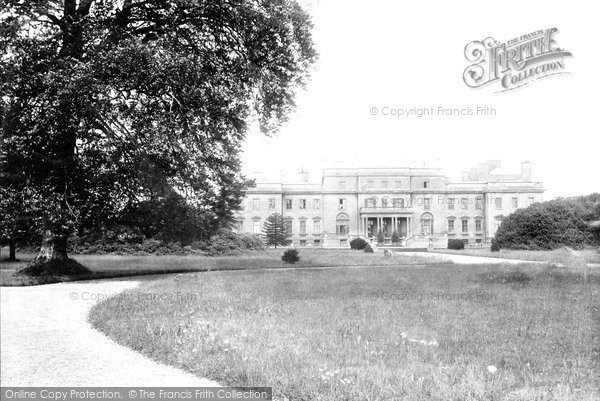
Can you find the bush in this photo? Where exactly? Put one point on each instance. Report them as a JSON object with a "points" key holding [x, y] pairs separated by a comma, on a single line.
{"points": [[454, 243], [395, 237], [368, 248], [358, 244], [380, 237], [495, 247], [290, 256]]}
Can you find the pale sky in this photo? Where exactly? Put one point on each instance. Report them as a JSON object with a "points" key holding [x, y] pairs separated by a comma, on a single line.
{"points": [[406, 54]]}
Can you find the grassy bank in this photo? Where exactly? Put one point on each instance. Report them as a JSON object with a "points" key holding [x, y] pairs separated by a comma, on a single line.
{"points": [[379, 333], [105, 266]]}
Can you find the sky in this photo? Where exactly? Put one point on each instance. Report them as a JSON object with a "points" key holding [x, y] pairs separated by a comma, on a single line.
{"points": [[377, 56]]}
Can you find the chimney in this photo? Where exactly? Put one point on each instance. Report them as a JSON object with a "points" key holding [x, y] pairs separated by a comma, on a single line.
{"points": [[526, 170], [303, 176]]}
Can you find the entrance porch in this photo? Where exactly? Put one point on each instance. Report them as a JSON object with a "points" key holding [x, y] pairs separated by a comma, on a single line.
{"points": [[372, 225]]}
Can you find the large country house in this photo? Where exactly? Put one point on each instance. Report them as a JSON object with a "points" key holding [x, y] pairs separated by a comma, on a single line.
{"points": [[422, 206]]}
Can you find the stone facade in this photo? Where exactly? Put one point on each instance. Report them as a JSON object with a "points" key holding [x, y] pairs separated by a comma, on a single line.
{"points": [[421, 205]]}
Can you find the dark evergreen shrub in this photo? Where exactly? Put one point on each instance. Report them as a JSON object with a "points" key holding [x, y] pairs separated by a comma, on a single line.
{"points": [[454, 243], [380, 237], [290, 256], [368, 248], [395, 237], [495, 247], [358, 244]]}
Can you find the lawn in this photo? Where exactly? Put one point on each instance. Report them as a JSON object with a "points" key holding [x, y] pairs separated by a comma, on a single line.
{"points": [[374, 333], [556, 256], [106, 266]]}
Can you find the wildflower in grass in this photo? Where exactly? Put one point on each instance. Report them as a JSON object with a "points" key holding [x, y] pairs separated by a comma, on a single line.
{"points": [[492, 369]]}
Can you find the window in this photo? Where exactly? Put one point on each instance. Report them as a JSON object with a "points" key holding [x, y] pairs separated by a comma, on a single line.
{"points": [[384, 201], [398, 202], [302, 227], [316, 204], [426, 203], [465, 226], [498, 203], [272, 204], [530, 200], [256, 204], [479, 203], [288, 227], [302, 204], [316, 226], [369, 184], [256, 226], [317, 242], [425, 184], [498, 221], [515, 203], [342, 204], [371, 202], [450, 225], [342, 184], [398, 184], [342, 224], [478, 225], [302, 242], [451, 203], [384, 184], [288, 204], [240, 225], [427, 224], [465, 203]]}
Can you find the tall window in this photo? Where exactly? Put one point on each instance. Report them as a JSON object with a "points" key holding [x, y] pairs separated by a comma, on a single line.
{"points": [[316, 203], [450, 225], [342, 204], [342, 224], [465, 203], [272, 204], [478, 225], [451, 203], [256, 204], [256, 226], [288, 204], [530, 200], [479, 203], [302, 204], [342, 184], [316, 226], [425, 184], [427, 224], [426, 203], [498, 202], [465, 226], [288, 227], [515, 202], [302, 227]]}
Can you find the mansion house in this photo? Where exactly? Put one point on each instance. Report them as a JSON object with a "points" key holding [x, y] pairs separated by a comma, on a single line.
{"points": [[421, 206]]}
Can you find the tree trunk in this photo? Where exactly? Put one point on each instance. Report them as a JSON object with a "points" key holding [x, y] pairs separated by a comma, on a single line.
{"points": [[53, 248], [12, 253]]}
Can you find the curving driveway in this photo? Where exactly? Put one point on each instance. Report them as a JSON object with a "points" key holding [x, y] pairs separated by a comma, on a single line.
{"points": [[46, 340]]}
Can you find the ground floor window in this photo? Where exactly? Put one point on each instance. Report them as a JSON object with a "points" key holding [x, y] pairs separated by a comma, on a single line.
{"points": [[288, 227], [427, 224], [302, 227], [465, 226], [342, 224], [317, 242], [256, 226], [302, 242], [317, 226], [450, 225]]}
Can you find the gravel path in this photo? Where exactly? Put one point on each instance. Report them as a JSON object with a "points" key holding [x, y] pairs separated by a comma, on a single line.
{"points": [[466, 259], [46, 340]]}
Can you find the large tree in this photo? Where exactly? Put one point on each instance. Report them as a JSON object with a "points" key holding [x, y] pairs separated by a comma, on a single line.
{"points": [[103, 101], [274, 230]]}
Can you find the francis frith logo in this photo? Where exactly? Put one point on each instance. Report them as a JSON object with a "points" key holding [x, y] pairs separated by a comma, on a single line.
{"points": [[516, 62]]}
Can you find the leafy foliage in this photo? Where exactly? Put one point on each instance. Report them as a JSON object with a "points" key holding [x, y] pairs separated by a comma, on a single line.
{"points": [[454, 243], [109, 104], [552, 224], [358, 244], [274, 230], [368, 248], [290, 256], [395, 237], [380, 237]]}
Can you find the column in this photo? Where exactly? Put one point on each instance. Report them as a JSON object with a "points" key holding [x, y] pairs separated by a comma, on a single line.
{"points": [[394, 229]]}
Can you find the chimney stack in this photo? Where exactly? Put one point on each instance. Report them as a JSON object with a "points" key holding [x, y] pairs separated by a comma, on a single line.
{"points": [[303, 176], [526, 170]]}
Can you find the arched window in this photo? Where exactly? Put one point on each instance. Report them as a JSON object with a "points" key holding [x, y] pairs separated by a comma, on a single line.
{"points": [[342, 224], [427, 224]]}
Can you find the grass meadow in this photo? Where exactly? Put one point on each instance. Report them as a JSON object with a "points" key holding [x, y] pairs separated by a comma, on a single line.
{"points": [[557, 256], [395, 332], [107, 266]]}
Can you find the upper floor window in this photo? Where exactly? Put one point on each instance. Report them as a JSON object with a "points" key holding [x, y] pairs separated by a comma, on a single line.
{"points": [[288, 204], [316, 204], [425, 184], [465, 203], [498, 202], [427, 203], [479, 202], [272, 203], [342, 184], [398, 202], [515, 202], [369, 184], [342, 204], [398, 184], [256, 204], [384, 184], [451, 203], [302, 204]]}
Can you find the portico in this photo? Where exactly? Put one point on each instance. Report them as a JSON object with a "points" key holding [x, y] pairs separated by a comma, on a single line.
{"points": [[388, 224]]}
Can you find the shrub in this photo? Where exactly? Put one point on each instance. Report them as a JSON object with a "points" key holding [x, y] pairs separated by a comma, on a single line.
{"points": [[368, 248], [395, 237], [290, 256], [454, 243], [358, 244], [495, 247], [380, 237]]}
